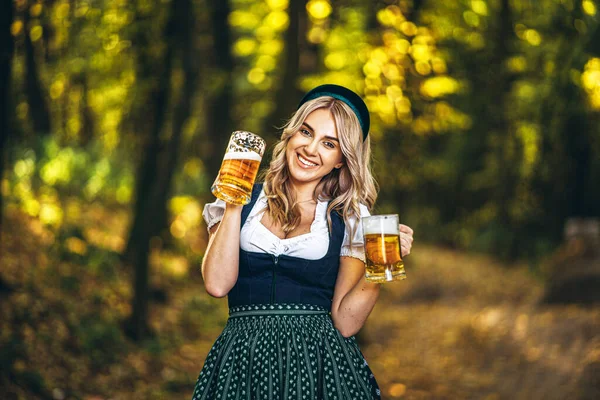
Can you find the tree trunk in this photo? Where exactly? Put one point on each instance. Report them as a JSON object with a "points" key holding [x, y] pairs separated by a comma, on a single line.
{"points": [[183, 108], [309, 57], [414, 13], [144, 225], [39, 112], [582, 195], [161, 159], [505, 238], [6, 54], [150, 118], [88, 122], [563, 169], [288, 93], [219, 119]]}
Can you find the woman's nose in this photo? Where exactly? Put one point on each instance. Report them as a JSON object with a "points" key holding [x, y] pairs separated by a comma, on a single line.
{"points": [[311, 148]]}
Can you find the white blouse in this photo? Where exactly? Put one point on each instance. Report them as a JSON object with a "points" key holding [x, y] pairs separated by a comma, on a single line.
{"points": [[255, 237]]}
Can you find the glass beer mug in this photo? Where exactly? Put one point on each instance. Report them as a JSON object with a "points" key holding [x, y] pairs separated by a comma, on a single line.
{"points": [[382, 248], [239, 168]]}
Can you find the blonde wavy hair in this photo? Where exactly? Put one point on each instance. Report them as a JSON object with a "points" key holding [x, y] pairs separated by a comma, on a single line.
{"points": [[345, 188]]}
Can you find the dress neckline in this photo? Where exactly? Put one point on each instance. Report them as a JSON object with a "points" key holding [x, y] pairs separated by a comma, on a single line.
{"points": [[261, 203]]}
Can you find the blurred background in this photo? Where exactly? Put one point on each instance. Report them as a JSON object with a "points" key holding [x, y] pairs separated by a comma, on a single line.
{"points": [[114, 116]]}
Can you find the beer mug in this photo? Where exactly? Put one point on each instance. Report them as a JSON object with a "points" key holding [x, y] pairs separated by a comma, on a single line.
{"points": [[382, 248], [239, 168]]}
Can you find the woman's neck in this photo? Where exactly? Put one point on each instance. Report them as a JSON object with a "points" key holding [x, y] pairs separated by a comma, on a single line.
{"points": [[304, 191]]}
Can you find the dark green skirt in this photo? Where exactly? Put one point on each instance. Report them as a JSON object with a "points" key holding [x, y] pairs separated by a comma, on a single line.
{"points": [[284, 351]]}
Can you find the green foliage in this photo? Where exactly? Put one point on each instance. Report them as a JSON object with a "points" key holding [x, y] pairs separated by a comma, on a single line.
{"points": [[32, 380], [472, 104], [198, 314], [494, 187], [102, 341], [485, 137], [43, 180], [154, 346]]}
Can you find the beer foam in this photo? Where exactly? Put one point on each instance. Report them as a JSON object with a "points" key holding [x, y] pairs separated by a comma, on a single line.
{"points": [[386, 224], [242, 155]]}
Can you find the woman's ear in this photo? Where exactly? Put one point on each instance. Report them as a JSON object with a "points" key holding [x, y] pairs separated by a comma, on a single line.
{"points": [[339, 165]]}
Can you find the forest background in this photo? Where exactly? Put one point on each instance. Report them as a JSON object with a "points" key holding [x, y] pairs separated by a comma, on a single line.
{"points": [[114, 117]]}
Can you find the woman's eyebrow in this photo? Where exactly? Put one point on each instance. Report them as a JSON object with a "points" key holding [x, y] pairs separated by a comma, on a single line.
{"points": [[308, 126], [326, 137]]}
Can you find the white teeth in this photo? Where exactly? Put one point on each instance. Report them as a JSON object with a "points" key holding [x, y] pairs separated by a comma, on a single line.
{"points": [[305, 161]]}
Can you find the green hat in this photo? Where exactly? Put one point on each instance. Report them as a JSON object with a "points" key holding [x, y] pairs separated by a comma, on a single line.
{"points": [[347, 96]]}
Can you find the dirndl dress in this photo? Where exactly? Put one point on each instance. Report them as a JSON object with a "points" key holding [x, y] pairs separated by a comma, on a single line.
{"points": [[279, 342]]}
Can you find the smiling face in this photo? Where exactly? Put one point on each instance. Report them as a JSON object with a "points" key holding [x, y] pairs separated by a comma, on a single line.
{"points": [[314, 150]]}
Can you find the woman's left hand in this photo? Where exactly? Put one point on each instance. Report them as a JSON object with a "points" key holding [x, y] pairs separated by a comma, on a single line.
{"points": [[406, 239]]}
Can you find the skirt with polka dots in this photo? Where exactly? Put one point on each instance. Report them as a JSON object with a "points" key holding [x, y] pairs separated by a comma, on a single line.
{"points": [[284, 351]]}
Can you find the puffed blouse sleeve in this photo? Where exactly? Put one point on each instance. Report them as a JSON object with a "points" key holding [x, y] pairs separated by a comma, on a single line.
{"points": [[357, 249], [213, 212]]}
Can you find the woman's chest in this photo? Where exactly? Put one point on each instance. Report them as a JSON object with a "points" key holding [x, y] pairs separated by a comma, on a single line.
{"points": [[310, 241], [307, 220]]}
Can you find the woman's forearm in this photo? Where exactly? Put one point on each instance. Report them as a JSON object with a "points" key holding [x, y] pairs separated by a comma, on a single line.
{"points": [[220, 264], [355, 307]]}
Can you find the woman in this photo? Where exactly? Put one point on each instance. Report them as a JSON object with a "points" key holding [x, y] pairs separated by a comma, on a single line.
{"points": [[292, 264]]}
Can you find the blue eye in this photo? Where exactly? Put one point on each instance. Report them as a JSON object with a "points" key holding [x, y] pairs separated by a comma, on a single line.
{"points": [[329, 144], [305, 132]]}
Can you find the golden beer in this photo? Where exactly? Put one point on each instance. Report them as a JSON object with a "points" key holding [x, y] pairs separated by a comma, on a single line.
{"points": [[384, 262], [382, 249], [239, 168]]}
